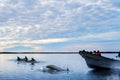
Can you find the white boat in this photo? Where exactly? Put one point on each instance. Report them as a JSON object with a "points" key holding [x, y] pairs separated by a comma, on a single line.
{"points": [[100, 62]]}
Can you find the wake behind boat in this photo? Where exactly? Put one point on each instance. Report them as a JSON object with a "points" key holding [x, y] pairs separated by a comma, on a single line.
{"points": [[99, 62]]}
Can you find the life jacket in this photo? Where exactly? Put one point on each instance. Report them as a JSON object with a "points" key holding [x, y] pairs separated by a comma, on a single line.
{"points": [[98, 54], [93, 53]]}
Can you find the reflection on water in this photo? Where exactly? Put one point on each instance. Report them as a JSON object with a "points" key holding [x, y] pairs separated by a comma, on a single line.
{"points": [[10, 69], [104, 74]]}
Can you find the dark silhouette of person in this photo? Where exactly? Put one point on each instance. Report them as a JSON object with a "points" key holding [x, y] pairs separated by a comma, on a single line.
{"points": [[119, 54], [98, 53], [90, 52], [94, 52], [83, 51]]}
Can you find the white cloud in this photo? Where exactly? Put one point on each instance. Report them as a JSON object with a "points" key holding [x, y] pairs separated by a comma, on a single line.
{"points": [[54, 21], [22, 42], [90, 47], [13, 46], [96, 37]]}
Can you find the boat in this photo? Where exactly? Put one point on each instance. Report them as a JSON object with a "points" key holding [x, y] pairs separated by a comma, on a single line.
{"points": [[100, 62]]}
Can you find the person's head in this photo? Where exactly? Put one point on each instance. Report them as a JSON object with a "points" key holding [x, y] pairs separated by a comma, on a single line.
{"points": [[83, 50], [90, 51], [98, 51], [94, 51]]}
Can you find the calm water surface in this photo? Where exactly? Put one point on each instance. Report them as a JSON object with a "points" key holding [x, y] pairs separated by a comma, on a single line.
{"points": [[10, 69]]}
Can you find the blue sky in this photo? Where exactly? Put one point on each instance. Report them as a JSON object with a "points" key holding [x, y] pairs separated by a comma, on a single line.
{"points": [[59, 25]]}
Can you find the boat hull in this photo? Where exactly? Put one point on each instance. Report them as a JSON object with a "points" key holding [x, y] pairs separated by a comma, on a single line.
{"points": [[100, 62]]}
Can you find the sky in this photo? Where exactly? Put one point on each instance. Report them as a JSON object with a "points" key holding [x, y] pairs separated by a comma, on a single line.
{"points": [[59, 25]]}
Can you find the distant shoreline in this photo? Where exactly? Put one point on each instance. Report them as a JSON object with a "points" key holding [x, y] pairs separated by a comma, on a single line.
{"points": [[50, 52]]}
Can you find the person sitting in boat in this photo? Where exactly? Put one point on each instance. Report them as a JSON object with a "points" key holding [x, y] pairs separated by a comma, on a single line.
{"points": [[119, 54], [83, 51], [90, 52], [98, 53], [94, 52], [18, 58]]}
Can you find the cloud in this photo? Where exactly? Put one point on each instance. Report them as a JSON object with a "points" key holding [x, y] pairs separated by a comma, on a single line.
{"points": [[23, 48], [41, 22], [91, 37], [88, 42], [90, 47], [45, 41]]}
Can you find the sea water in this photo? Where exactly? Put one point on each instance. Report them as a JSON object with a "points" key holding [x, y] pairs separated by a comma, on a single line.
{"points": [[10, 69]]}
